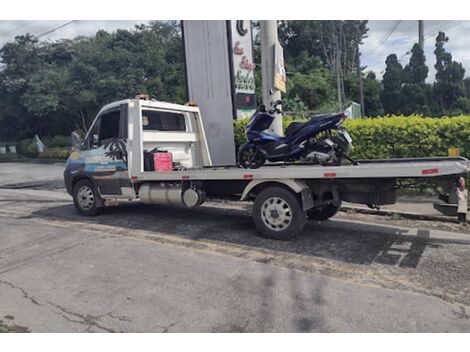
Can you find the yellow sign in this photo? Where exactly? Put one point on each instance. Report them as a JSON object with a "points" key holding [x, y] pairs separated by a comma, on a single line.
{"points": [[454, 152], [279, 68]]}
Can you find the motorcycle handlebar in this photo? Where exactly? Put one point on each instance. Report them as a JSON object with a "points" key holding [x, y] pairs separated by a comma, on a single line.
{"points": [[274, 107]]}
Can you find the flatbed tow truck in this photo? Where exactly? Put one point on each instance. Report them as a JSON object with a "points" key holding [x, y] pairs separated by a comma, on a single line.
{"points": [[157, 153]]}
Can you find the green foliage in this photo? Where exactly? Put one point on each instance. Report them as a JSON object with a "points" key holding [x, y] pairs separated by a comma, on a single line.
{"points": [[23, 145], [408, 136], [9, 157], [398, 136], [322, 39], [449, 88], [313, 89], [372, 92], [57, 141], [311, 49], [27, 147], [416, 71], [57, 153], [392, 84], [50, 88]]}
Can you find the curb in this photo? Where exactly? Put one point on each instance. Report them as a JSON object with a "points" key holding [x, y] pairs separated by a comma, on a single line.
{"points": [[413, 216]]}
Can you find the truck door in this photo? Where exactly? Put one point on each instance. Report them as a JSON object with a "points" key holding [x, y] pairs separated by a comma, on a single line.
{"points": [[106, 158]]}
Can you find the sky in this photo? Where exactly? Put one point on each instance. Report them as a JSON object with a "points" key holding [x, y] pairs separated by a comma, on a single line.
{"points": [[398, 37], [384, 38]]}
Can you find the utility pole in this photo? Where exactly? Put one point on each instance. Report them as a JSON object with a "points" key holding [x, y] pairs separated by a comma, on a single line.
{"points": [[338, 75], [421, 34], [268, 40], [359, 77]]}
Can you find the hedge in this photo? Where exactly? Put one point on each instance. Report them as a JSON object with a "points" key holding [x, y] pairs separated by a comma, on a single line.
{"points": [[57, 153], [398, 136]]}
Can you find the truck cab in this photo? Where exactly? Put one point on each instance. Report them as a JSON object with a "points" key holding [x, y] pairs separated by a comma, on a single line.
{"points": [[112, 153]]}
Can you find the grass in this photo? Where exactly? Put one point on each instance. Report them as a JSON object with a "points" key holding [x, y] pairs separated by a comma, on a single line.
{"points": [[5, 328]]}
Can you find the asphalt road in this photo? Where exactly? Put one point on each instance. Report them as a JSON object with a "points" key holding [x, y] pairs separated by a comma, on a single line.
{"points": [[142, 268]]}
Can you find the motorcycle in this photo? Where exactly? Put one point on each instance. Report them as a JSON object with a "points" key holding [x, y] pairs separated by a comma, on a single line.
{"points": [[320, 140]]}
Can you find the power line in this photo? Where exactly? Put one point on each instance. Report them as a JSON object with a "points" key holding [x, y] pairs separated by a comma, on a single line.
{"points": [[55, 29], [16, 28], [384, 38], [446, 26]]}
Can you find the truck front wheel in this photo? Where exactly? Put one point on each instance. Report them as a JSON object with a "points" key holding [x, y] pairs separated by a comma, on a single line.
{"points": [[85, 198], [278, 214]]}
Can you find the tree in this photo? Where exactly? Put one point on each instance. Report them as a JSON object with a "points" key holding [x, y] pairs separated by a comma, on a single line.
{"points": [[392, 85], [449, 87], [372, 92], [333, 43], [416, 70], [415, 91], [54, 87]]}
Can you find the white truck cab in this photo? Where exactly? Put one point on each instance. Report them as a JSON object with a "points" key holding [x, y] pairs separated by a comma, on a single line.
{"points": [[113, 151]]}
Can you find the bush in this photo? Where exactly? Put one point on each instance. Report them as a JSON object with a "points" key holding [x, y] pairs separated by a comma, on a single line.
{"points": [[57, 141], [409, 136], [58, 153], [26, 147], [8, 157], [397, 136]]}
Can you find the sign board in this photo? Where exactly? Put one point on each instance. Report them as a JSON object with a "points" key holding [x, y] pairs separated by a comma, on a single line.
{"points": [[242, 68], [279, 68]]}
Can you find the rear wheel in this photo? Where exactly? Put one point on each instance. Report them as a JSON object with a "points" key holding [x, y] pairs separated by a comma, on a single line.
{"points": [[323, 213], [85, 198], [278, 213]]}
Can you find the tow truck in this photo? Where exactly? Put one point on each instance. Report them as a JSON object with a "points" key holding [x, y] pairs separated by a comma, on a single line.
{"points": [[157, 153]]}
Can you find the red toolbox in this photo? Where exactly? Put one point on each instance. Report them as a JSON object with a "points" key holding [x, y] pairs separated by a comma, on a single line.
{"points": [[163, 161]]}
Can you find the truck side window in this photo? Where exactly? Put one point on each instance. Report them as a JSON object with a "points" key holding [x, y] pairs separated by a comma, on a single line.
{"points": [[153, 120], [109, 126]]}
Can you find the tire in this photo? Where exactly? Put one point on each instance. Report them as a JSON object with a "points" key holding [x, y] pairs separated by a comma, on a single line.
{"points": [[278, 213], [249, 157], [323, 213], [85, 198]]}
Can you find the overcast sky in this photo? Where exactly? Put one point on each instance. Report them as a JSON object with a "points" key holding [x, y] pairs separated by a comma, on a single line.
{"points": [[384, 37]]}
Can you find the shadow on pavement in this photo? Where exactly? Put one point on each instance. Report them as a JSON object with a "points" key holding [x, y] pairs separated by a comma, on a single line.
{"points": [[337, 240]]}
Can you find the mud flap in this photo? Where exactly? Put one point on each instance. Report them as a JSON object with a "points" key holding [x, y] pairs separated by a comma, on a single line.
{"points": [[462, 199]]}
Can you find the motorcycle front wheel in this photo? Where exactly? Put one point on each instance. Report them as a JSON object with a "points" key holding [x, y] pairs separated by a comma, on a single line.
{"points": [[250, 157]]}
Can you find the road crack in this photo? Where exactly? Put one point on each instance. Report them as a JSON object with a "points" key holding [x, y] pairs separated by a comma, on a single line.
{"points": [[25, 293], [87, 320]]}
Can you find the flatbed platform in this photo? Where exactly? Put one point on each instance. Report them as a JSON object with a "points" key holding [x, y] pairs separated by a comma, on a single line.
{"points": [[391, 168]]}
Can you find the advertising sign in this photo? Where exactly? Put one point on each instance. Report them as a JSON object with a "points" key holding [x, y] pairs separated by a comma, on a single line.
{"points": [[241, 49], [279, 69]]}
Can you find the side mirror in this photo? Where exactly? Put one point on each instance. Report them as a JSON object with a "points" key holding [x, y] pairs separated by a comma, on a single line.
{"points": [[75, 140], [95, 139]]}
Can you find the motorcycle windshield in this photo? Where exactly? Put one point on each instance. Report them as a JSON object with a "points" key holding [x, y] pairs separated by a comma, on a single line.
{"points": [[260, 122]]}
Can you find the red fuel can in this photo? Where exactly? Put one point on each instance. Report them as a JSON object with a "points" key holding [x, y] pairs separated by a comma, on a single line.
{"points": [[163, 161]]}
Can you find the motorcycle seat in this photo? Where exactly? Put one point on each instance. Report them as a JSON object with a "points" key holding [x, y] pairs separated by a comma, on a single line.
{"points": [[295, 126]]}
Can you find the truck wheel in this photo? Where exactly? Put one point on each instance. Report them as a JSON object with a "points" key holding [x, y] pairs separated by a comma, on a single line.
{"points": [[323, 213], [85, 198], [278, 214]]}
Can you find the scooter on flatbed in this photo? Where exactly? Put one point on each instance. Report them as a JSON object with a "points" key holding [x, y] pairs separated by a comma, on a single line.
{"points": [[157, 153]]}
